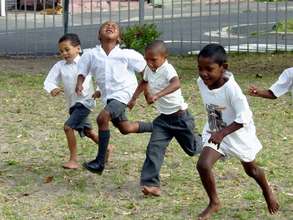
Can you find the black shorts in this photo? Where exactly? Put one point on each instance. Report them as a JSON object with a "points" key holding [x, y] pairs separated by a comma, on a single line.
{"points": [[117, 111], [78, 119]]}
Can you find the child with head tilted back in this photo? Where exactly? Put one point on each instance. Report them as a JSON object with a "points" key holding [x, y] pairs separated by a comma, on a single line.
{"points": [[174, 121], [229, 130], [65, 71], [114, 69]]}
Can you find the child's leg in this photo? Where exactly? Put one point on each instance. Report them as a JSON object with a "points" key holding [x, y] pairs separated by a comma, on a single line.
{"points": [[206, 161], [71, 140], [126, 127], [183, 131], [257, 173], [97, 165], [150, 174], [95, 138]]}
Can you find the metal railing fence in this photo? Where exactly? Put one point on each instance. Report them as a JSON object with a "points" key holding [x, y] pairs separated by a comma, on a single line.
{"points": [[33, 27]]}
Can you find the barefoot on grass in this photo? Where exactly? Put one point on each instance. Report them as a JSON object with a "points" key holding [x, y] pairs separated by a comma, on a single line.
{"points": [[272, 202], [151, 190], [71, 165], [207, 213]]}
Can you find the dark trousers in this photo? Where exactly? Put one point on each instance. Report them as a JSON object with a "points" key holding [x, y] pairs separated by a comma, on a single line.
{"points": [[179, 125]]}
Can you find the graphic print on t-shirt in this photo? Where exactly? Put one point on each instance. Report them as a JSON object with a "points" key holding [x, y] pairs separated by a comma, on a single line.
{"points": [[215, 119]]}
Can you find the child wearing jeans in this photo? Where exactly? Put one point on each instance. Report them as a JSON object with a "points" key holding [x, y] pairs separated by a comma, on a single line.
{"points": [[65, 71], [114, 69], [230, 129], [174, 120]]}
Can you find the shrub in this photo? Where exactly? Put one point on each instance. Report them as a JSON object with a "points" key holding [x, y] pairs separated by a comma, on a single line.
{"points": [[138, 36]]}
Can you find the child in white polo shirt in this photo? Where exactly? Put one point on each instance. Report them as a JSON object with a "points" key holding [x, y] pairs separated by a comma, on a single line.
{"points": [[174, 119], [283, 85], [229, 130], [79, 106], [114, 70]]}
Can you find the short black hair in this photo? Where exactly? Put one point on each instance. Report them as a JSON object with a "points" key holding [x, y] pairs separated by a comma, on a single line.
{"points": [[158, 46], [73, 38], [215, 52]]}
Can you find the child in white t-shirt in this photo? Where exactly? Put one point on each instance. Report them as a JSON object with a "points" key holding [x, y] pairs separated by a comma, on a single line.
{"points": [[114, 69], [174, 120], [65, 71], [230, 129], [283, 85]]}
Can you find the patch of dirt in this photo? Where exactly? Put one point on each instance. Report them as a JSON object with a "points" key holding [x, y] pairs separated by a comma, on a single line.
{"points": [[27, 65]]}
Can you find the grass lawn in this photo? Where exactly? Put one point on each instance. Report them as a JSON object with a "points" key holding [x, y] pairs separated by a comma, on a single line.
{"points": [[33, 185]]}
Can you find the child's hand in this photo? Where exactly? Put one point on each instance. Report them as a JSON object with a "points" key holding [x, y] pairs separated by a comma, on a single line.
{"points": [[252, 90], [131, 104], [216, 137], [78, 89], [56, 91], [152, 99], [96, 95]]}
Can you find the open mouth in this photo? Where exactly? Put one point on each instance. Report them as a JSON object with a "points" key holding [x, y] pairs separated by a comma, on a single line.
{"points": [[109, 31]]}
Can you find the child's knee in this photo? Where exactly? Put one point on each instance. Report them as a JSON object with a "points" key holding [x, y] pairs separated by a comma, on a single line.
{"points": [[253, 171], [103, 119], [67, 128], [203, 166]]}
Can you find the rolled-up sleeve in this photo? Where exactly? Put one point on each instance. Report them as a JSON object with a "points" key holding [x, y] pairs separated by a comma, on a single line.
{"points": [[284, 84], [53, 78]]}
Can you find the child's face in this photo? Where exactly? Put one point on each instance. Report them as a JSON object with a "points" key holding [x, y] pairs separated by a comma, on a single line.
{"points": [[154, 60], [109, 31], [68, 51], [210, 72]]}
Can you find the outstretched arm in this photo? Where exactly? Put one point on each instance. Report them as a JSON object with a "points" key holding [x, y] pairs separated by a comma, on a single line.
{"points": [[174, 84], [254, 91]]}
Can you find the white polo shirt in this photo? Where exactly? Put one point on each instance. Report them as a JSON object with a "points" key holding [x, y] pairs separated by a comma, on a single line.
{"points": [[114, 73], [284, 84], [159, 80], [67, 74]]}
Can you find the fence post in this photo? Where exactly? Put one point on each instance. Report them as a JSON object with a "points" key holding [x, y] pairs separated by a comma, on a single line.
{"points": [[65, 15], [2, 7], [141, 11]]}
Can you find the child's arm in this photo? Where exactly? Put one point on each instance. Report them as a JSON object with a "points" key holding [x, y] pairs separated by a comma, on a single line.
{"points": [[254, 91], [140, 88], [174, 84], [79, 87], [52, 81], [218, 136]]}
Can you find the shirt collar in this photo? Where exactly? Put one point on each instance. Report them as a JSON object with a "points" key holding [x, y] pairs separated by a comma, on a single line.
{"points": [[162, 66], [75, 60], [102, 50]]}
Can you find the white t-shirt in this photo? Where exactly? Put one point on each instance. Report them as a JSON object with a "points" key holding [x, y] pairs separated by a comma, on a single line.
{"points": [[114, 73], [225, 105], [159, 80], [67, 74], [284, 84]]}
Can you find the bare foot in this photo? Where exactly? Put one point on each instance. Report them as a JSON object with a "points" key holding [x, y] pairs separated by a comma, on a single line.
{"points": [[109, 153], [151, 190], [71, 164], [272, 202], [207, 213]]}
